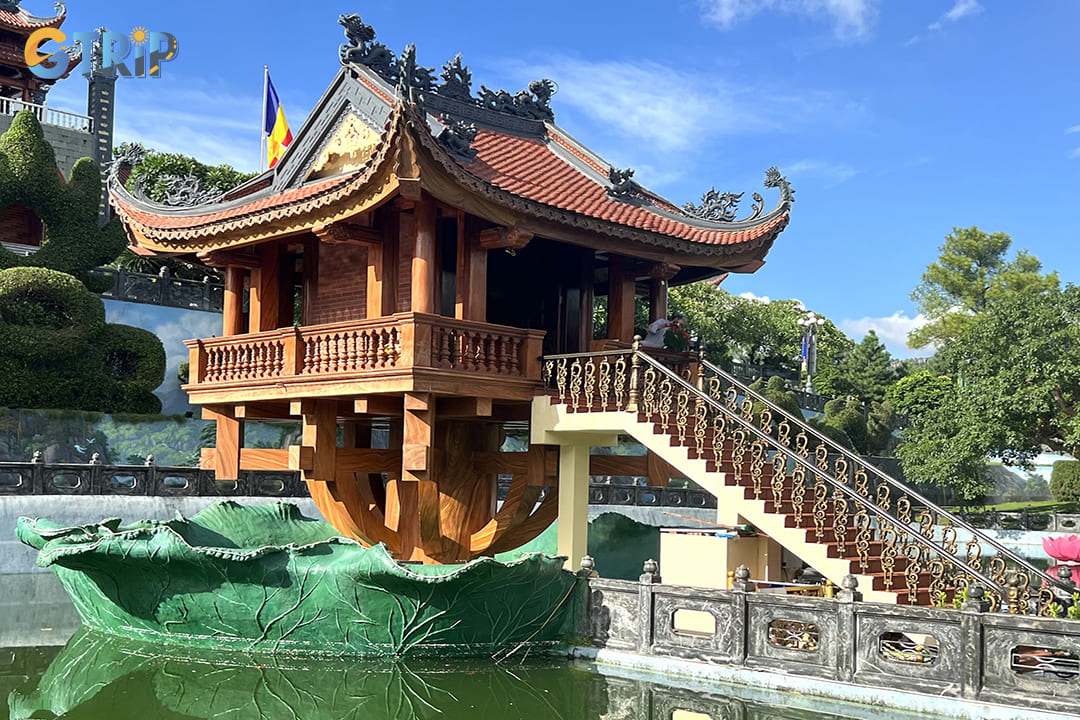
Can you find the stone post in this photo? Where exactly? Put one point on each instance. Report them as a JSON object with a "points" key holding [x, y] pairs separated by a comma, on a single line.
{"points": [[740, 620], [971, 641], [37, 473], [649, 577], [848, 647]]}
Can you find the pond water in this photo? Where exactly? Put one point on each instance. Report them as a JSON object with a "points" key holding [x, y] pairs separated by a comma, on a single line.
{"points": [[95, 676]]}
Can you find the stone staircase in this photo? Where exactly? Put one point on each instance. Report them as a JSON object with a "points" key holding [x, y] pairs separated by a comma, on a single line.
{"points": [[820, 501]]}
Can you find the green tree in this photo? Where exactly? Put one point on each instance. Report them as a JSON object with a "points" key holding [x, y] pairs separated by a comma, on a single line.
{"points": [[153, 172], [867, 370], [971, 273], [1065, 481]]}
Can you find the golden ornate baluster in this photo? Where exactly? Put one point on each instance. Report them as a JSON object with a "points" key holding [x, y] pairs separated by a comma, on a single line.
{"points": [[938, 584], [914, 556], [998, 569], [560, 379], [746, 409], [682, 414], [665, 400], [548, 373], [731, 398], [758, 451], [821, 505], [604, 384], [802, 445], [798, 493], [649, 392], [783, 433], [863, 536], [903, 514], [716, 388], [778, 477], [862, 484], [948, 539], [590, 383], [765, 422], [1045, 598], [719, 428], [738, 454], [575, 383], [974, 551], [701, 424], [926, 525], [840, 520], [621, 379], [888, 556], [1025, 592]]}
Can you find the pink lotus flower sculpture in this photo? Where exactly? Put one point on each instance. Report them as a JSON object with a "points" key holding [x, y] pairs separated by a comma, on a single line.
{"points": [[1065, 549]]}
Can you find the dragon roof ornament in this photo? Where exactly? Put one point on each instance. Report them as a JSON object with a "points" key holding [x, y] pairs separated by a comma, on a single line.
{"points": [[179, 190], [722, 207], [362, 49]]}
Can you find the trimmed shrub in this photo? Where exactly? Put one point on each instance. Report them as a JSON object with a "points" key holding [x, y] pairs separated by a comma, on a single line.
{"points": [[1065, 481]]}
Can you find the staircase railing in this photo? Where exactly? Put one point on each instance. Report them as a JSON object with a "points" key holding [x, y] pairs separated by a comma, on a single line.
{"points": [[716, 383], [631, 380]]}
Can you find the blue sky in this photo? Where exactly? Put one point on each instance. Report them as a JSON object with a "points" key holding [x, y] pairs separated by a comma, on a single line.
{"points": [[894, 121]]}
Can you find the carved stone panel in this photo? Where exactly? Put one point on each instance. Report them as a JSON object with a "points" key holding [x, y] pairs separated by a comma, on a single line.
{"points": [[693, 643], [919, 655], [613, 618], [1034, 663], [763, 651]]}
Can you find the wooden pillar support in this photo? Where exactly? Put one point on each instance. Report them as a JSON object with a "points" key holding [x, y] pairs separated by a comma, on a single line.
{"points": [[412, 501], [660, 274], [233, 306], [573, 535], [230, 438], [471, 273], [318, 422], [620, 299], [263, 308], [423, 259]]}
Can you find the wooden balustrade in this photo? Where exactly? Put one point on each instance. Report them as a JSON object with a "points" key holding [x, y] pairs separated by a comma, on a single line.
{"points": [[397, 342]]}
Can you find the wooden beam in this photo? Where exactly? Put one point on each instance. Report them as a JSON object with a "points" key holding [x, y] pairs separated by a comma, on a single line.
{"points": [[368, 460], [464, 407], [423, 259], [232, 307], [248, 258], [378, 405], [263, 311]]}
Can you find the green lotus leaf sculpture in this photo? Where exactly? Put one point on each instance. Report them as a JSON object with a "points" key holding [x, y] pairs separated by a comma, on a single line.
{"points": [[267, 579]]}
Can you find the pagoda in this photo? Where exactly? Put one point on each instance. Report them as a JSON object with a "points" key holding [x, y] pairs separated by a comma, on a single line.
{"points": [[404, 268], [16, 26]]}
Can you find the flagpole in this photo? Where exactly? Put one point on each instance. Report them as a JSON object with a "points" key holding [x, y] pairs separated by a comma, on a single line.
{"points": [[262, 120]]}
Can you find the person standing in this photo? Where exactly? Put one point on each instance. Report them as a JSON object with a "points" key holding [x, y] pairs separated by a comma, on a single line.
{"points": [[659, 328]]}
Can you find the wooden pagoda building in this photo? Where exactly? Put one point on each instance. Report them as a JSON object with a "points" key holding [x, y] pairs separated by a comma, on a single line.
{"points": [[406, 265]]}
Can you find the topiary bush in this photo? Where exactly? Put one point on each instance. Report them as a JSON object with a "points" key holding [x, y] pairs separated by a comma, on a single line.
{"points": [[57, 351], [1065, 481], [74, 241]]}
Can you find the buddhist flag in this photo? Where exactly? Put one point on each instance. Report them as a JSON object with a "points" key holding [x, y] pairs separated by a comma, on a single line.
{"points": [[275, 127]]}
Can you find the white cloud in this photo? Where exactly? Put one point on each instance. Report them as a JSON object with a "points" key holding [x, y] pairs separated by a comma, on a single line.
{"points": [[831, 173], [758, 298], [892, 330], [1073, 129], [960, 10], [851, 19]]}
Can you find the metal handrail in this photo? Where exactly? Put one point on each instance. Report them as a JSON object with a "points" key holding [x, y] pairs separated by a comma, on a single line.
{"points": [[829, 478], [877, 472]]}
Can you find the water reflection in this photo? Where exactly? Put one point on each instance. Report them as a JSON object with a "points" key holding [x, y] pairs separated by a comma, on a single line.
{"points": [[99, 677]]}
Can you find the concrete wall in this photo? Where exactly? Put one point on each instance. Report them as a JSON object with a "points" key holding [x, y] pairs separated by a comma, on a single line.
{"points": [[75, 510], [69, 145]]}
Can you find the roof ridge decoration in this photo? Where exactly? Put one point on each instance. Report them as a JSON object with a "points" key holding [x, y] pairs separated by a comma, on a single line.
{"points": [[622, 187], [362, 49], [180, 190], [719, 207]]}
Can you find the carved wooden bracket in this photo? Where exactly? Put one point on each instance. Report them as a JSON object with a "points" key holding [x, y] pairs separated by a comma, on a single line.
{"points": [[512, 238], [664, 271], [247, 258], [347, 233]]}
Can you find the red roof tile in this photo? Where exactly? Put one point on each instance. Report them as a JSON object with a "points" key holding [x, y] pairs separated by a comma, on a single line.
{"points": [[24, 21]]}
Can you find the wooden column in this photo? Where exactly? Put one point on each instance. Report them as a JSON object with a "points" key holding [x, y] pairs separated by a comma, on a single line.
{"points": [[423, 259], [620, 299], [585, 331], [233, 308], [230, 438], [310, 280], [660, 274], [263, 309], [286, 287], [573, 533], [471, 272], [412, 501], [318, 422]]}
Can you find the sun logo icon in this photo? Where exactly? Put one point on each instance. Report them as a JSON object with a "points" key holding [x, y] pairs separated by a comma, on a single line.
{"points": [[139, 36]]}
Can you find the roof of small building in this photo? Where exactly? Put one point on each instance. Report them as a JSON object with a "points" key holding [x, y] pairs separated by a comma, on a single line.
{"points": [[16, 19], [384, 118]]}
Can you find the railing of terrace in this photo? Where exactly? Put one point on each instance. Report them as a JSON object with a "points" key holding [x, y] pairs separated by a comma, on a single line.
{"points": [[47, 115], [853, 507]]}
